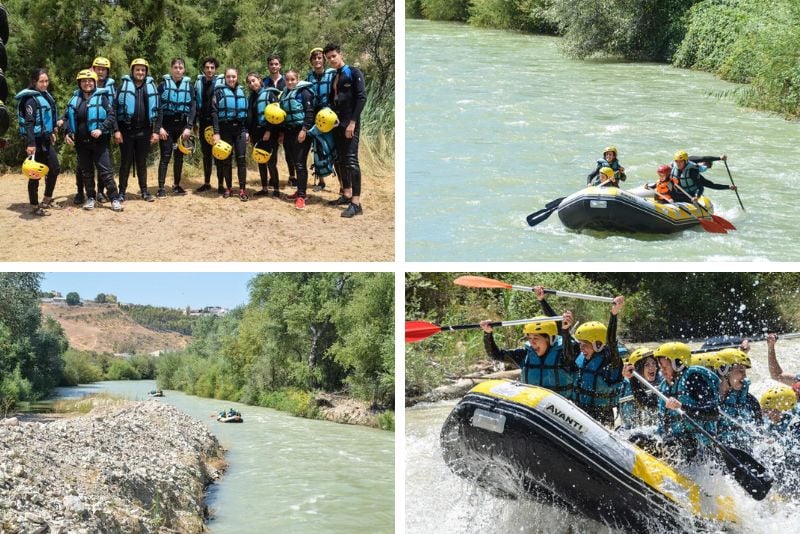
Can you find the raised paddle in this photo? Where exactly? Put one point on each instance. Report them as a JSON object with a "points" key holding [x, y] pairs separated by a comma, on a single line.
{"points": [[750, 474], [733, 184], [725, 223], [708, 226], [419, 330], [490, 283], [542, 215]]}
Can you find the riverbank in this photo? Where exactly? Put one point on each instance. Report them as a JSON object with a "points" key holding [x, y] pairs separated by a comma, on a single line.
{"points": [[349, 411], [124, 466]]}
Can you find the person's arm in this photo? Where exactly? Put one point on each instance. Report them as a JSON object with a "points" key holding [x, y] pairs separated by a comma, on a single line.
{"points": [[359, 93], [704, 406], [30, 123], [775, 370], [614, 359], [546, 308], [705, 182], [192, 109], [215, 112], [515, 355], [308, 106], [755, 407], [111, 117], [592, 175], [161, 104], [566, 340]]}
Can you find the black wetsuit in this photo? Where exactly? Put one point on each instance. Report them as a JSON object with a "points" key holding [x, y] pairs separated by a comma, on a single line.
{"points": [[348, 97]]}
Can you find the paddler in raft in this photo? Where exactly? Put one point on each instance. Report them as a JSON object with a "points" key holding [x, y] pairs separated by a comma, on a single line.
{"points": [[782, 433], [598, 367], [687, 173], [637, 405], [665, 187], [609, 161], [776, 371], [542, 360]]}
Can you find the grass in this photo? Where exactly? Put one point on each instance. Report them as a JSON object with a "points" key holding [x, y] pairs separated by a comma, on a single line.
{"points": [[85, 404]]}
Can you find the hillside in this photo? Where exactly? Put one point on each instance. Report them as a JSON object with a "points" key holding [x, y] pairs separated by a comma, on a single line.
{"points": [[106, 328]]}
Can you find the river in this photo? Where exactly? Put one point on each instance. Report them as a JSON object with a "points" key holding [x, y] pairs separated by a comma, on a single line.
{"points": [[435, 496], [286, 474], [499, 123]]}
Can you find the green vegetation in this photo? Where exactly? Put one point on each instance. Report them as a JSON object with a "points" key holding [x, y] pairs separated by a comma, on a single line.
{"points": [[30, 348], [73, 299], [240, 34], [85, 404], [87, 367], [743, 41], [658, 306], [160, 318], [299, 333]]}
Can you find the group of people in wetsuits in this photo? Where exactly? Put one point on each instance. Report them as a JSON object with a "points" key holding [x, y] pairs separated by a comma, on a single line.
{"points": [[680, 182], [322, 111], [712, 388]]}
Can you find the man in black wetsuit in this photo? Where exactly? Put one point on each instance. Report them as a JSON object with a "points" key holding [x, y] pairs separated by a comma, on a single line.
{"points": [[687, 172]]}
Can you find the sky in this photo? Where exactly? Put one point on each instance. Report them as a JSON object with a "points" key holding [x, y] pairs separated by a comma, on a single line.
{"points": [[174, 290]]}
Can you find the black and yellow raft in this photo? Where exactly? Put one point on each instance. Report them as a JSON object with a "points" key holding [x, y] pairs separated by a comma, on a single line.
{"points": [[611, 208], [523, 441]]}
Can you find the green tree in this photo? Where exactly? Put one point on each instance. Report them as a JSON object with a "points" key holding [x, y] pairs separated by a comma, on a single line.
{"points": [[121, 369], [73, 299], [100, 298]]}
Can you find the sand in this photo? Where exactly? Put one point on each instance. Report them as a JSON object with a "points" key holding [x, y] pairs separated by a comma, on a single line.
{"points": [[198, 227]]}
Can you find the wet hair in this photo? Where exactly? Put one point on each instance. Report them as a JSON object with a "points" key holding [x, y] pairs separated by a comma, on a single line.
{"points": [[177, 60], [210, 59], [330, 47], [274, 56], [35, 75]]}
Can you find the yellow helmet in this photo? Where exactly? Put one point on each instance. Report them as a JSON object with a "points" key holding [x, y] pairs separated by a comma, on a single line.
{"points": [[274, 114], [314, 50], [674, 350], [208, 135], [610, 149], [260, 154], [780, 397], [326, 120], [186, 146], [608, 172], [717, 361], [87, 74], [541, 327], [33, 169], [594, 332], [102, 62], [681, 155], [736, 357], [140, 61], [221, 150], [639, 354]]}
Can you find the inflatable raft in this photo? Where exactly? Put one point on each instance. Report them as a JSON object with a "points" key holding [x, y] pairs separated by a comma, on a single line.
{"points": [[611, 208], [524, 441], [231, 419]]}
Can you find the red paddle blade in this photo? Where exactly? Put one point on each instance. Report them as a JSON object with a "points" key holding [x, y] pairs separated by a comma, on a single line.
{"points": [[711, 226], [419, 330], [480, 281], [723, 222]]}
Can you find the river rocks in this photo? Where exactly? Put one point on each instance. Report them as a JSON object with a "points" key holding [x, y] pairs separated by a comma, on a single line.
{"points": [[130, 467]]}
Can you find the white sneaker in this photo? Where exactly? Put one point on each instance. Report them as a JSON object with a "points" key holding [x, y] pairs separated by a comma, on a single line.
{"points": [[89, 204], [116, 205]]}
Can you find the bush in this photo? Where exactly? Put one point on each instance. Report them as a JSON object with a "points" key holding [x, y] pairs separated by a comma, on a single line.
{"points": [[455, 10], [73, 299], [79, 369], [296, 402], [386, 421], [122, 370], [524, 15]]}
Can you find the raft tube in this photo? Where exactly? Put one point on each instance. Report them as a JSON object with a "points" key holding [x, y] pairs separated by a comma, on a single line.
{"points": [[611, 208], [233, 419], [520, 441]]}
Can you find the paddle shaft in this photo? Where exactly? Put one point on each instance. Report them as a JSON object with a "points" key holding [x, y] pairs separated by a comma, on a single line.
{"points": [[733, 184], [565, 294], [498, 323]]}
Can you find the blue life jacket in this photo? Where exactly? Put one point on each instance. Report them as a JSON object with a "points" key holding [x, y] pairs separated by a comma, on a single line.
{"points": [[676, 425], [44, 115], [324, 152], [231, 106], [176, 99], [684, 180], [111, 86], [549, 370], [96, 112], [614, 166], [292, 104], [265, 95], [626, 403], [219, 81], [736, 405], [126, 99], [591, 389], [321, 87]]}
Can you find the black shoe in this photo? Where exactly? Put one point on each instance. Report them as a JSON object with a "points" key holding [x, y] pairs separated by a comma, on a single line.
{"points": [[147, 197], [261, 193], [319, 187], [203, 188], [221, 189], [101, 197], [79, 199], [276, 193], [293, 181], [352, 210], [178, 190], [121, 197], [161, 193], [341, 201]]}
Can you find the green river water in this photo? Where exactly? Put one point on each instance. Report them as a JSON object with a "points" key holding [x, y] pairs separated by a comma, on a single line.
{"points": [[499, 123], [287, 474]]}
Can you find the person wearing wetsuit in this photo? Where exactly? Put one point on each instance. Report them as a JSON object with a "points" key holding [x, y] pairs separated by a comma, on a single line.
{"points": [[262, 133], [347, 98], [687, 173], [297, 101], [175, 119], [204, 91], [276, 80], [321, 80], [609, 160], [137, 106], [229, 117], [37, 115], [665, 187]]}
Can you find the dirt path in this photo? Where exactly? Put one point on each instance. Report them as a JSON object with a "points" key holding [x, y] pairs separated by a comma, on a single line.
{"points": [[198, 227]]}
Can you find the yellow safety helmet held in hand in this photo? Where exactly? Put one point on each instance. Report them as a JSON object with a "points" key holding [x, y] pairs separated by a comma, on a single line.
{"points": [[260, 154], [326, 120], [102, 62], [593, 332], [33, 169], [681, 155], [208, 135], [610, 149], [781, 398], [140, 61], [221, 150], [186, 146], [541, 328], [274, 114], [87, 74]]}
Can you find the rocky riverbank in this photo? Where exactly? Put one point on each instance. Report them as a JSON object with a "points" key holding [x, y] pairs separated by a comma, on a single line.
{"points": [[124, 467]]}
